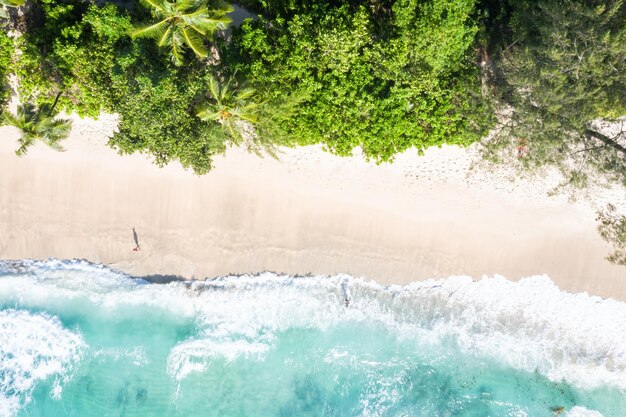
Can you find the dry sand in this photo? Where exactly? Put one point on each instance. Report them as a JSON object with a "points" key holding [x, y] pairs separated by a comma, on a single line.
{"points": [[309, 212]]}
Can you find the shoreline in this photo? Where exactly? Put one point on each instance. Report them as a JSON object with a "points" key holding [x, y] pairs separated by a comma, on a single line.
{"points": [[310, 212]]}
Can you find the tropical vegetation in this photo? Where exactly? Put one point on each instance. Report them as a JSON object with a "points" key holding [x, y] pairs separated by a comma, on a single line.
{"points": [[38, 124], [6, 52], [380, 75], [369, 77], [561, 73], [182, 24], [234, 107], [4, 4]]}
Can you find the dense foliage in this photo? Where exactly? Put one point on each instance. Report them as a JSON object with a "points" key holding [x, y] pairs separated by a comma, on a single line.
{"points": [[157, 116], [384, 82], [6, 4], [183, 24], [6, 53], [86, 52], [383, 75], [342, 74], [77, 49], [563, 69], [38, 124]]}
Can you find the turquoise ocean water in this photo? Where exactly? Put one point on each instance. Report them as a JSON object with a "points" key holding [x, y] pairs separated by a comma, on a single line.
{"points": [[78, 339]]}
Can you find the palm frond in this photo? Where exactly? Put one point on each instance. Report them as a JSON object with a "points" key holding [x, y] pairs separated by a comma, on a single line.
{"points": [[221, 22], [214, 88], [26, 141], [196, 18], [152, 31], [234, 133], [225, 90], [224, 10], [26, 110], [155, 4], [44, 110], [54, 144], [186, 5], [245, 115], [165, 37], [12, 3], [203, 24], [194, 41], [208, 113], [245, 93], [234, 107], [184, 24], [38, 124], [177, 48], [58, 129], [10, 119]]}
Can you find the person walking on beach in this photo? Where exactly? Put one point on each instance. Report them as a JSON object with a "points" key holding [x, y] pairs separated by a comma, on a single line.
{"points": [[136, 239]]}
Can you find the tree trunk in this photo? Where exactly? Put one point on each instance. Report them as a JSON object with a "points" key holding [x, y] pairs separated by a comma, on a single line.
{"points": [[607, 140], [56, 100]]}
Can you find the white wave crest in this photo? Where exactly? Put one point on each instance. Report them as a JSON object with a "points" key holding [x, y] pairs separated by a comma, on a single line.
{"points": [[194, 355], [529, 324], [33, 348], [583, 412]]}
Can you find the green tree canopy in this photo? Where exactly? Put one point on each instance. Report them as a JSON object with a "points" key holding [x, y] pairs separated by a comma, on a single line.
{"points": [[230, 105], [158, 118], [38, 124], [6, 58], [562, 70], [385, 80], [76, 48], [86, 51], [9, 3], [182, 24]]}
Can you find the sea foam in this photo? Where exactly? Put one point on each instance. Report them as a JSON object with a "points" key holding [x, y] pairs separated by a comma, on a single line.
{"points": [[529, 325], [33, 347]]}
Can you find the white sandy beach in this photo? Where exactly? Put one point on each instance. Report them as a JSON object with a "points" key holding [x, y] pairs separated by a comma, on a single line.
{"points": [[309, 212]]}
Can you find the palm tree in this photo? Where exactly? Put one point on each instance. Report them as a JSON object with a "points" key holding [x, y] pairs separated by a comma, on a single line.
{"points": [[182, 24], [9, 3], [38, 124], [232, 106]]}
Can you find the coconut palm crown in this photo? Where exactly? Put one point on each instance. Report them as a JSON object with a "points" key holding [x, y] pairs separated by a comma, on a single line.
{"points": [[183, 24], [9, 3], [38, 124], [229, 105]]}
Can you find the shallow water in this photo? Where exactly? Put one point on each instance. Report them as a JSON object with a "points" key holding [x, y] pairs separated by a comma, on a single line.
{"points": [[78, 339]]}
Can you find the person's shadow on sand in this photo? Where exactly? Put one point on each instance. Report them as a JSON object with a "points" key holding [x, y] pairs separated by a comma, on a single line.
{"points": [[136, 239]]}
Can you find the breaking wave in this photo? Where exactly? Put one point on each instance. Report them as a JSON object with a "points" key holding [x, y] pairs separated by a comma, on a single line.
{"points": [[67, 325]]}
